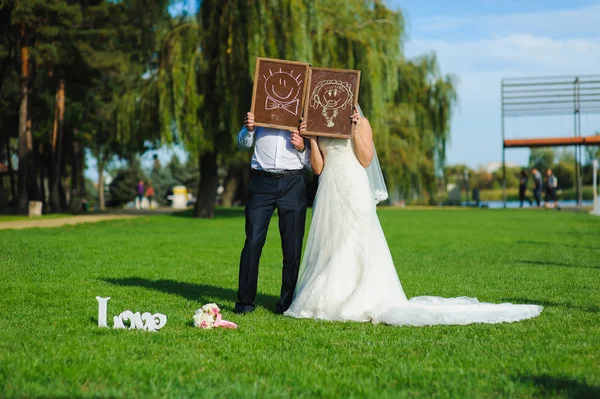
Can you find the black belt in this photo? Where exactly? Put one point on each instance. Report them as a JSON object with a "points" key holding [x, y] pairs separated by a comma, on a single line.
{"points": [[277, 175]]}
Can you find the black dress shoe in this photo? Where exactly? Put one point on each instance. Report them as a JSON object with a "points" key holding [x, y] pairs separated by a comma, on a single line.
{"points": [[279, 309], [243, 309]]}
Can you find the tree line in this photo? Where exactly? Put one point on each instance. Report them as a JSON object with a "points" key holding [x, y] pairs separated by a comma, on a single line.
{"points": [[116, 79]]}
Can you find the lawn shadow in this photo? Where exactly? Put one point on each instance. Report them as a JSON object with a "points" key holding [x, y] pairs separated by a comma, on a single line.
{"points": [[550, 244], [201, 293], [554, 263], [551, 386], [219, 213], [553, 304]]}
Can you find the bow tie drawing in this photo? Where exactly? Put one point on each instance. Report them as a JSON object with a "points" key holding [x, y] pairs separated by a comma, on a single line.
{"points": [[292, 107]]}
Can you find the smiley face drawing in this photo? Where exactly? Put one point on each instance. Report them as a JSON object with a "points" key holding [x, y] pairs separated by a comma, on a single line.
{"points": [[331, 96], [282, 89]]}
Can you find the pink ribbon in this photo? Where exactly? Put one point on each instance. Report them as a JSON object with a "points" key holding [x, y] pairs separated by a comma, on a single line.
{"points": [[219, 322]]}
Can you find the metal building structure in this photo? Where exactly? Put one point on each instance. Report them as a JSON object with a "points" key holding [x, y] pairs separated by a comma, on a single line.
{"points": [[596, 206], [551, 96]]}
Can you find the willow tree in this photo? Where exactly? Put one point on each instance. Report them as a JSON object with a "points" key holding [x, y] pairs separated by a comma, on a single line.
{"points": [[118, 48], [163, 107], [8, 89], [419, 121], [203, 84]]}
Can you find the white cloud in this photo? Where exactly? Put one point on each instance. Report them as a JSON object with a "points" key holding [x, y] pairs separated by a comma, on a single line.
{"points": [[516, 52]]}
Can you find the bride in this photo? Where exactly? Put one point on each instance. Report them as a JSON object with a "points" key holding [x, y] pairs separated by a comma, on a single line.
{"points": [[347, 273]]}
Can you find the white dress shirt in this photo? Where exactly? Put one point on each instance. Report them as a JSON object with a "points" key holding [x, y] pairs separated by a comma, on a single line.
{"points": [[273, 149]]}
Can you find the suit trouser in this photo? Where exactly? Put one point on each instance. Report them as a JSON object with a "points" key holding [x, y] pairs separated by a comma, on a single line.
{"points": [[288, 196], [523, 196]]}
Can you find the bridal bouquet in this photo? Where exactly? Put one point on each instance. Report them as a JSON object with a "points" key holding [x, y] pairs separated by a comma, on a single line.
{"points": [[209, 316]]}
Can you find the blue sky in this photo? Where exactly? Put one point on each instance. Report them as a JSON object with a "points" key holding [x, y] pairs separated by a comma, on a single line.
{"points": [[484, 41]]}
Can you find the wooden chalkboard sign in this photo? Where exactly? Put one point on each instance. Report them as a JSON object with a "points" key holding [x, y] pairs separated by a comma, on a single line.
{"points": [[331, 97], [279, 92]]}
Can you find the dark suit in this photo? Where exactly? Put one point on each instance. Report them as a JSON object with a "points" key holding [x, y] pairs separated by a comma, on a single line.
{"points": [[265, 194]]}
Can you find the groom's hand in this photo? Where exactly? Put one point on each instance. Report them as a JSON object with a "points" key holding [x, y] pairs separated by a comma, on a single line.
{"points": [[297, 140], [355, 117], [302, 127], [249, 122]]}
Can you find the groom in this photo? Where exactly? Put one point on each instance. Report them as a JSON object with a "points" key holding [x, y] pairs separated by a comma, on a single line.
{"points": [[278, 163]]}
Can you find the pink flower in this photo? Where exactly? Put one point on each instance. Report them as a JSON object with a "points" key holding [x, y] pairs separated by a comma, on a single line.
{"points": [[209, 316]]}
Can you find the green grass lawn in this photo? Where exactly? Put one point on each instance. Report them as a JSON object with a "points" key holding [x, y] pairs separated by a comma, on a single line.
{"points": [[50, 345]]}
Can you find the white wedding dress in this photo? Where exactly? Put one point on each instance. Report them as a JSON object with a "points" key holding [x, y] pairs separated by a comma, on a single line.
{"points": [[348, 274]]}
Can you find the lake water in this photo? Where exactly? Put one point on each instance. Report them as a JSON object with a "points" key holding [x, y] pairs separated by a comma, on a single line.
{"points": [[516, 204]]}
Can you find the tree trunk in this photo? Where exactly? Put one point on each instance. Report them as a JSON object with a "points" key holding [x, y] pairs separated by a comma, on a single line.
{"points": [[207, 189], [57, 146], [48, 166], [101, 184], [3, 202], [11, 173], [23, 200], [64, 193], [231, 186], [33, 188], [41, 166], [76, 198], [5, 64], [32, 181]]}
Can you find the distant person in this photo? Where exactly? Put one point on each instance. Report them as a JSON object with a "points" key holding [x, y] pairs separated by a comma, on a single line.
{"points": [[551, 200], [169, 196], [150, 194], [537, 186], [523, 188], [476, 197], [140, 194]]}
